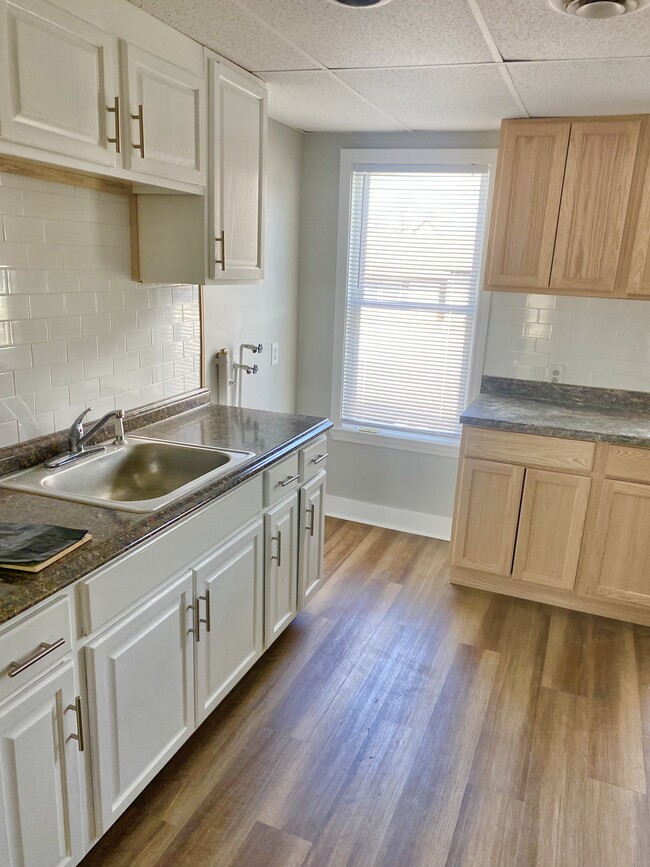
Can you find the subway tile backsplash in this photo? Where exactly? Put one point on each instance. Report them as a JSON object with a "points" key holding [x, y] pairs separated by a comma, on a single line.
{"points": [[75, 330], [601, 341]]}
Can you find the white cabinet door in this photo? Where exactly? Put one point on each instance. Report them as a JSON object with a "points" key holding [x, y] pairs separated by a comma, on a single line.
{"points": [[60, 80], [141, 696], [311, 535], [40, 801], [230, 599], [238, 128], [281, 567], [164, 117]]}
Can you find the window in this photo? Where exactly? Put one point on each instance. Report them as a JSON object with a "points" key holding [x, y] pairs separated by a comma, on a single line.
{"points": [[413, 262]]}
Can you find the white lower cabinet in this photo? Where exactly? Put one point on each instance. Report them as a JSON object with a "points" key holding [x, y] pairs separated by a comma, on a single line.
{"points": [[141, 696], [311, 536], [281, 566], [230, 605], [40, 772]]}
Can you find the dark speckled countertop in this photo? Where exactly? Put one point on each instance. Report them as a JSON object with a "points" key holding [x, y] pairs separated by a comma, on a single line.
{"points": [[269, 435], [566, 411]]}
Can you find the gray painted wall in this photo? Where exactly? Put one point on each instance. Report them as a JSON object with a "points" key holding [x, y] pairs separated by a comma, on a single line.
{"points": [[377, 475], [268, 311]]}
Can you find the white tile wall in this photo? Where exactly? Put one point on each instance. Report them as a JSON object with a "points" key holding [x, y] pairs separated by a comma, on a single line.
{"points": [[75, 330], [603, 342]]}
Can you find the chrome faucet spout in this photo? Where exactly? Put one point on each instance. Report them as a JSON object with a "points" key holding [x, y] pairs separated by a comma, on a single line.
{"points": [[78, 437], [117, 414]]}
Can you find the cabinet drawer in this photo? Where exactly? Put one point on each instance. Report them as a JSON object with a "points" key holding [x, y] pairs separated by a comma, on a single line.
{"points": [[313, 459], [625, 462], [27, 640], [281, 480], [540, 452], [118, 586]]}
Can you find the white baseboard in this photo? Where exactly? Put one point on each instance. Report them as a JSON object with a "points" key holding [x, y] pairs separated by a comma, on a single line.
{"points": [[420, 523]]}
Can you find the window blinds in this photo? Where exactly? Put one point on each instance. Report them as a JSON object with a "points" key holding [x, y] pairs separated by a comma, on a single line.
{"points": [[416, 237]]}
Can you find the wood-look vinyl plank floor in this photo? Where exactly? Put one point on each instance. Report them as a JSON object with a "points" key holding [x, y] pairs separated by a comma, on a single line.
{"points": [[404, 722]]}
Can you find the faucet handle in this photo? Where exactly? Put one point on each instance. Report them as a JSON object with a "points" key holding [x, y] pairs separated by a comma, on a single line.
{"points": [[77, 429]]}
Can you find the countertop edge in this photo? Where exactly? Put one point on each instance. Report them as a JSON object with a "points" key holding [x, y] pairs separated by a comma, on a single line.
{"points": [[551, 431]]}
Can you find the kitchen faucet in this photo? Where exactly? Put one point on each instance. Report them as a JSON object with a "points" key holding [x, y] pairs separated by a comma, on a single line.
{"points": [[78, 437]]}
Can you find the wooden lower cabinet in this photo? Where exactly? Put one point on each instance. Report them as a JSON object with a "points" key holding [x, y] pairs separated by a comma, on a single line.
{"points": [[551, 523], [141, 676], [230, 599], [40, 771], [281, 567], [487, 513], [619, 559]]}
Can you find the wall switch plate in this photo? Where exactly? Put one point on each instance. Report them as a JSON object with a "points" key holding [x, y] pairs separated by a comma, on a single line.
{"points": [[555, 373], [275, 352]]}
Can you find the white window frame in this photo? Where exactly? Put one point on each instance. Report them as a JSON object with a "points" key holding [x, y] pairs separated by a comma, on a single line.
{"points": [[386, 158]]}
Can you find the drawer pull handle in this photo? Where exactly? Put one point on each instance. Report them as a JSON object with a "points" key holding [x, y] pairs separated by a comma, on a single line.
{"points": [[196, 620], [79, 736], [116, 111], [320, 458], [312, 512], [18, 667], [278, 556], [289, 480], [140, 119], [207, 618]]}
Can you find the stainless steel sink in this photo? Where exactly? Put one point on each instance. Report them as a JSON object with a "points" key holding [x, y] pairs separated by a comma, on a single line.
{"points": [[140, 476]]}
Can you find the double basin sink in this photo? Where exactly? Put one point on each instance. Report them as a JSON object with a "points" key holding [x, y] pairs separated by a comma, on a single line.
{"points": [[140, 475]]}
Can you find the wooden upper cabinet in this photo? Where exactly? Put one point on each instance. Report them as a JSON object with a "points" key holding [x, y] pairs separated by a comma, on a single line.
{"points": [[638, 274], [597, 184], [528, 190]]}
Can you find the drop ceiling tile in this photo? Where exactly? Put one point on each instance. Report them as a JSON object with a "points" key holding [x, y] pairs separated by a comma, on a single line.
{"points": [[317, 102], [438, 98], [526, 30], [619, 86], [403, 33], [227, 28]]}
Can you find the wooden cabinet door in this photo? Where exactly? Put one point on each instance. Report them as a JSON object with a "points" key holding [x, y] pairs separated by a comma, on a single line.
{"points": [[551, 523], [165, 117], [638, 277], [488, 511], [280, 567], [311, 533], [60, 79], [528, 189], [594, 204], [619, 561], [238, 127], [141, 696], [230, 597], [40, 772]]}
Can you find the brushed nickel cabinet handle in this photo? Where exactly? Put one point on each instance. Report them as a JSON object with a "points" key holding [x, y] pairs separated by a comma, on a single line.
{"points": [[140, 119], [277, 557], [289, 480], [311, 511], [117, 141], [196, 620], [79, 736], [16, 668], [207, 619], [320, 458], [221, 240]]}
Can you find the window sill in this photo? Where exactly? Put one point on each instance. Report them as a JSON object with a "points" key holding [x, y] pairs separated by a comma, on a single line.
{"points": [[394, 441]]}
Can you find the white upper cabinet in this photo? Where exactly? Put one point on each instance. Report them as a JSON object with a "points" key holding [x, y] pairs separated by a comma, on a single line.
{"points": [[60, 82], [164, 117], [237, 186]]}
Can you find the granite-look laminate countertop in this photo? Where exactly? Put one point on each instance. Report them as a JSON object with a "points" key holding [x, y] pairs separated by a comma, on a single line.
{"points": [[565, 411], [269, 435]]}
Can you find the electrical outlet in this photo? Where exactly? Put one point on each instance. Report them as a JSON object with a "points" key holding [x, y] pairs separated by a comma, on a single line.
{"points": [[555, 373], [275, 352]]}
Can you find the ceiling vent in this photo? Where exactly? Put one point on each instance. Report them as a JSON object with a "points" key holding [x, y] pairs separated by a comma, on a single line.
{"points": [[597, 10], [359, 4]]}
